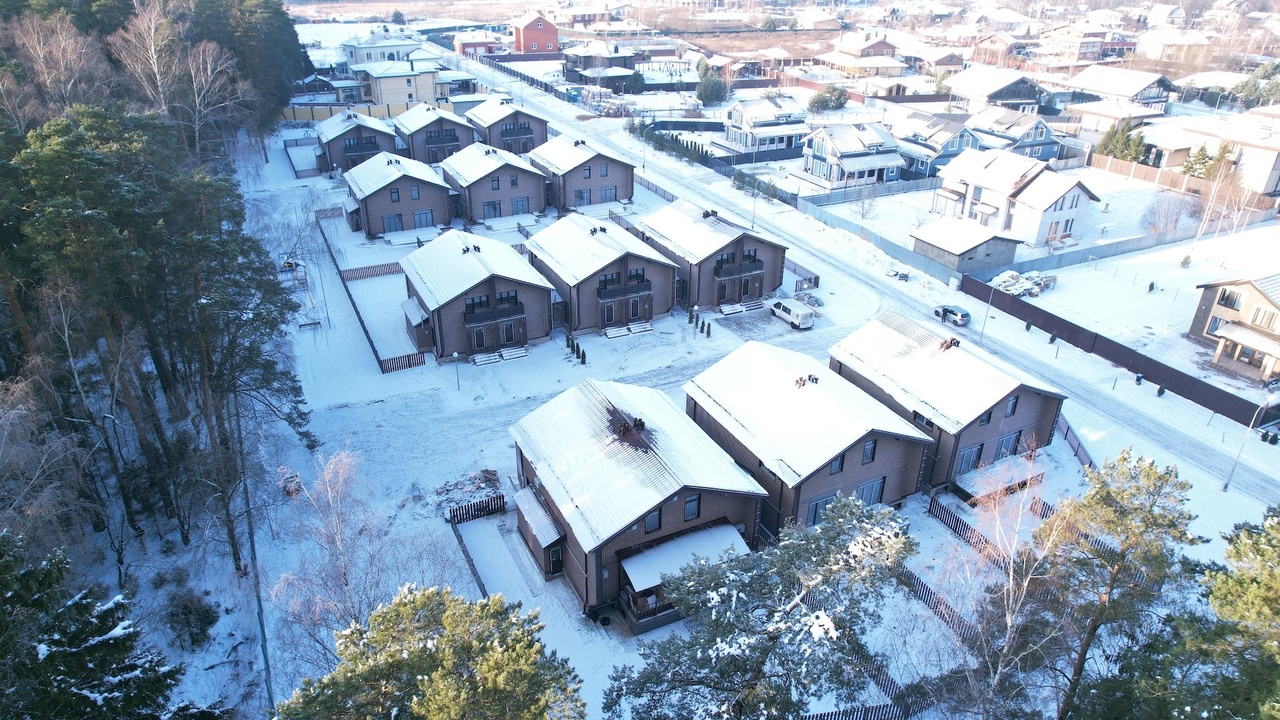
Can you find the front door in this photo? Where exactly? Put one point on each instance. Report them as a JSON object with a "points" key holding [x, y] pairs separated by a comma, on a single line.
{"points": [[635, 308], [746, 288], [555, 561], [722, 292], [508, 333], [479, 338], [1008, 445], [608, 314]]}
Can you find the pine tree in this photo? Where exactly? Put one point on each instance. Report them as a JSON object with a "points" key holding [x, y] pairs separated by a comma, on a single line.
{"points": [[1197, 162], [63, 655], [634, 84], [711, 90], [833, 97], [770, 631], [1248, 591], [431, 654]]}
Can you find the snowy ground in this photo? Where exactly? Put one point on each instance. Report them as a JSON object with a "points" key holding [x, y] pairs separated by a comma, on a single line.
{"points": [[436, 427]]}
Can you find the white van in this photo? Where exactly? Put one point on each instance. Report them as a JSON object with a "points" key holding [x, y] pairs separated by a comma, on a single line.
{"points": [[794, 312]]}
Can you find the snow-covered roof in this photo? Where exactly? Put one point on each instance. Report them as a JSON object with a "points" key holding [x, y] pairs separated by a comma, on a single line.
{"points": [[998, 170], [956, 235], [530, 17], [420, 116], [1108, 80], [603, 482], [951, 387], [1049, 187], [1002, 121], [923, 129], [1268, 284], [396, 68], [457, 261], [857, 138], [545, 529], [781, 108], [982, 81], [344, 122], [690, 232], [1248, 337], [1171, 36], [495, 109], [598, 49], [477, 161], [1115, 109], [1213, 78], [764, 419], [646, 568], [576, 247], [562, 154], [385, 168]]}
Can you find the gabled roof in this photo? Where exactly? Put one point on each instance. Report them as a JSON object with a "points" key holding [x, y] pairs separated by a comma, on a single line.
{"points": [[857, 138], [477, 161], [598, 49], [1112, 108], [690, 232], [383, 169], [420, 116], [770, 109], [450, 265], [524, 20], [956, 235], [601, 481], [577, 247], [344, 122], [1003, 122], [764, 419], [981, 81], [1107, 80], [495, 109], [562, 154], [1047, 188], [1268, 284], [924, 130], [396, 68], [996, 170], [951, 387]]}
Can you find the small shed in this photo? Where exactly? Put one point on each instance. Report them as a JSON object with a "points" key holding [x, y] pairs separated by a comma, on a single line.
{"points": [[966, 246]]}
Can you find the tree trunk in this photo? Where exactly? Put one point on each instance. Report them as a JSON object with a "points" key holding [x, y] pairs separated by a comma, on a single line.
{"points": [[1077, 670]]}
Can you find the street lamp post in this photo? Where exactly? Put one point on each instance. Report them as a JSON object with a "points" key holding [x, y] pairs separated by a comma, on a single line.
{"points": [[1262, 409], [986, 315], [457, 377], [644, 146]]}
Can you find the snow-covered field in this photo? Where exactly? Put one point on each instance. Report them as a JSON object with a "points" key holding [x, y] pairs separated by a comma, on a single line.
{"points": [[435, 427]]}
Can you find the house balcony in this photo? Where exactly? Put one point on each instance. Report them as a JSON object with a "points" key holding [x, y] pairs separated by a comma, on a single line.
{"points": [[647, 610], [518, 132], [613, 292], [739, 269], [442, 140], [503, 312]]}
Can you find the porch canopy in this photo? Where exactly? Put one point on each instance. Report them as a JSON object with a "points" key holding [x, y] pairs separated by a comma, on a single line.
{"points": [[645, 569], [1249, 338]]}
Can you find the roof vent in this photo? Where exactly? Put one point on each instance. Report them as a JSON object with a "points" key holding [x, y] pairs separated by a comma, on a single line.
{"points": [[805, 380], [625, 427], [476, 248], [604, 229], [706, 214], [465, 249], [595, 230]]}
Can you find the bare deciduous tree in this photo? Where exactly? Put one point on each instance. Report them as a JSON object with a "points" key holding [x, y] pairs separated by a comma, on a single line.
{"points": [[148, 49], [211, 95], [61, 65]]}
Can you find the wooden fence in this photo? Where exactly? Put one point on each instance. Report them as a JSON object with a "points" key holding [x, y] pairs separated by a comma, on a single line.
{"points": [[985, 498], [368, 272], [1173, 179], [969, 534], [963, 629], [1073, 441], [483, 507], [401, 362]]}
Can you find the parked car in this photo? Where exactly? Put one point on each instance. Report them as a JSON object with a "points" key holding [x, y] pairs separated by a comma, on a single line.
{"points": [[794, 312], [952, 314]]}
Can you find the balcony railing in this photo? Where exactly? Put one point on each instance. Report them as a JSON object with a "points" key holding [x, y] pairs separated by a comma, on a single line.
{"points": [[441, 140], [518, 132], [613, 292], [503, 312], [746, 268]]}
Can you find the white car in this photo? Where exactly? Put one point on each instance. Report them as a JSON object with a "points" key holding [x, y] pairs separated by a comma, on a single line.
{"points": [[794, 312]]}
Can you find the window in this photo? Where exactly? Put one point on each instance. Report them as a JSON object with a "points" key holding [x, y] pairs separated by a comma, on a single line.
{"points": [[609, 194], [392, 223], [408, 82], [495, 183], [509, 126], [1229, 298], [604, 171], [423, 218], [432, 134], [369, 140], [1066, 227], [586, 172], [395, 194], [635, 308], [749, 256], [816, 507], [1075, 200], [350, 142], [610, 279], [515, 180], [533, 46], [635, 275], [951, 145], [921, 420], [1040, 132], [872, 491], [977, 194], [520, 206], [868, 452], [653, 521], [473, 304], [985, 419], [1062, 202], [1264, 318], [1011, 406], [1008, 445], [492, 209], [692, 507], [414, 194], [506, 297], [539, 24], [1053, 231], [725, 259], [582, 197], [837, 465], [968, 459], [1215, 322]]}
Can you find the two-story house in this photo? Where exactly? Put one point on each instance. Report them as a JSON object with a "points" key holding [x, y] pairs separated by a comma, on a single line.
{"points": [[1021, 198], [599, 62], [927, 142], [473, 296], [1106, 82], [388, 193], [349, 138], [1237, 316], [493, 183], [578, 174], [976, 409], [767, 123], [718, 261], [1073, 44], [1018, 132], [534, 33], [478, 43], [980, 86], [865, 43], [858, 448], [844, 156], [618, 487], [501, 124], [384, 43], [605, 277], [399, 81], [432, 134], [1000, 49]]}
